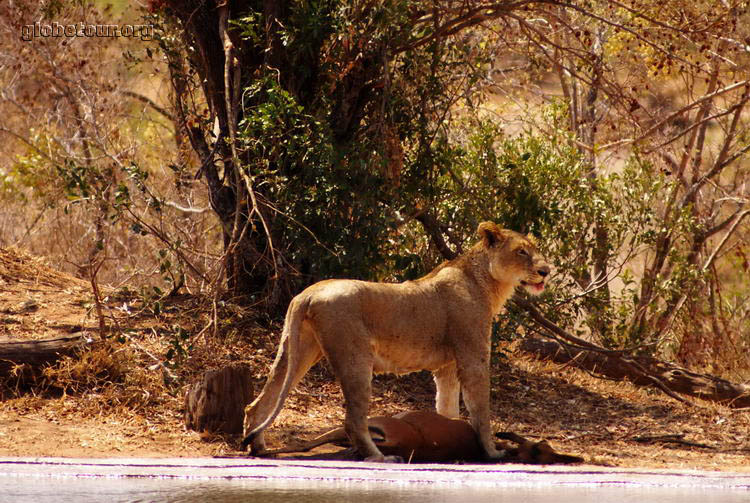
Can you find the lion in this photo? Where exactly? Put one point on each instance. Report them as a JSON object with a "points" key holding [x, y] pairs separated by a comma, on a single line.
{"points": [[440, 322]]}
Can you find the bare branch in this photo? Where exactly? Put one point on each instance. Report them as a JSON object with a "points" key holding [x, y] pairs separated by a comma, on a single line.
{"points": [[149, 102], [736, 218], [667, 318], [184, 209], [660, 124], [702, 122]]}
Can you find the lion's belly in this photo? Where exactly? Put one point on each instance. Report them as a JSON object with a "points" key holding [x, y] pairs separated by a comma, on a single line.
{"points": [[408, 336], [412, 358]]}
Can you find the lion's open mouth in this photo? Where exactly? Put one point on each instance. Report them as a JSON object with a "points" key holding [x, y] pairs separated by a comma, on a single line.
{"points": [[537, 287]]}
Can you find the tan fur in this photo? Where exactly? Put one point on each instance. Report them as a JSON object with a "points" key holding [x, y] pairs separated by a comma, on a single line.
{"points": [[441, 323]]}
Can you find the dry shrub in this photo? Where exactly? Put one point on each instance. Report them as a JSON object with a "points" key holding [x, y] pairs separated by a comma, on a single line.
{"points": [[107, 379], [17, 265], [89, 371]]}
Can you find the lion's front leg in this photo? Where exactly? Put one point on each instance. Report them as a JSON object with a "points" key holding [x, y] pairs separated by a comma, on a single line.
{"points": [[474, 375], [475, 383]]}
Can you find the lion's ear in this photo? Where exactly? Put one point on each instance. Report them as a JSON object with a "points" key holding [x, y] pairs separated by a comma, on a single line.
{"points": [[532, 239], [490, 233]]}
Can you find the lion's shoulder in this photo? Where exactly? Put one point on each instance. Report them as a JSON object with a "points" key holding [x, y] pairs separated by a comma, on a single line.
{"points": [[458, 267]]}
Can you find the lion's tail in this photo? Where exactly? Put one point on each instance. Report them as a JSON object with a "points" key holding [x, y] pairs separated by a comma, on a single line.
{"points": [[289, 347]]}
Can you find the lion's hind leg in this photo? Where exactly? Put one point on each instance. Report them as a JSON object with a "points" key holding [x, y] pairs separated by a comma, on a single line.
{"points": [[353, 365], [448, 390], [357, 388]]}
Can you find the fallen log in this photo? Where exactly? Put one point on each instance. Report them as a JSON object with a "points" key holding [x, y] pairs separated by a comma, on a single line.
{"points": [[38, 353], [640, 370]]}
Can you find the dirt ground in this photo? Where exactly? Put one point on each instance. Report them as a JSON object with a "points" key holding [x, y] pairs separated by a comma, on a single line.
{"points": [[118, 399]]}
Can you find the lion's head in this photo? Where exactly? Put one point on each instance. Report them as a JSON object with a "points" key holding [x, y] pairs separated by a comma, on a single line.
{"points": [[514, 257]]}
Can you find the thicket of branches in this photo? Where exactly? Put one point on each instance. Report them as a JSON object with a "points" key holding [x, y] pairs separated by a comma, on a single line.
{"points": [[368, 139]]}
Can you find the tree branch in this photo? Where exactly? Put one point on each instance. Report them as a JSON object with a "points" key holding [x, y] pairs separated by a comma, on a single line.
{"points": [[629, 363], [673, 115], [472, 17], [643, 371], [149, 102], [433, 230]]}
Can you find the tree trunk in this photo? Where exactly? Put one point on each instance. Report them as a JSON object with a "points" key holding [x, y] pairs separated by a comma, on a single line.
{"points": [[39, 353], [643, 371], [216, 402], [255, 250]]}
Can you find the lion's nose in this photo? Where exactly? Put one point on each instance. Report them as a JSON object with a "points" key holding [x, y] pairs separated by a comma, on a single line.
{"points": [[543, 271]]}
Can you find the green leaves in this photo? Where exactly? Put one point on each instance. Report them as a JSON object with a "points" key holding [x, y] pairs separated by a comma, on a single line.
{"points": [[179, 345], [544, 185], [77, 180]]}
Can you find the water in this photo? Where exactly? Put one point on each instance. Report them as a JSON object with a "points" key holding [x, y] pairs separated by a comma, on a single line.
{"points": [[114, 490], [274, 481]]}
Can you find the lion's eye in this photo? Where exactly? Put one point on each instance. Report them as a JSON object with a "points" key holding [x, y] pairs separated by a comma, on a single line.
{"points": [[523, 252]]}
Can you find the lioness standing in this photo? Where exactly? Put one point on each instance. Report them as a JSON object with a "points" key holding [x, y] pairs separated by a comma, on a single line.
{"points": [[441, 322]]}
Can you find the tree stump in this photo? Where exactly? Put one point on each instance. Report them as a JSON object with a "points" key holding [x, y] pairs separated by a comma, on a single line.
{"points": [[216, 402]]}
